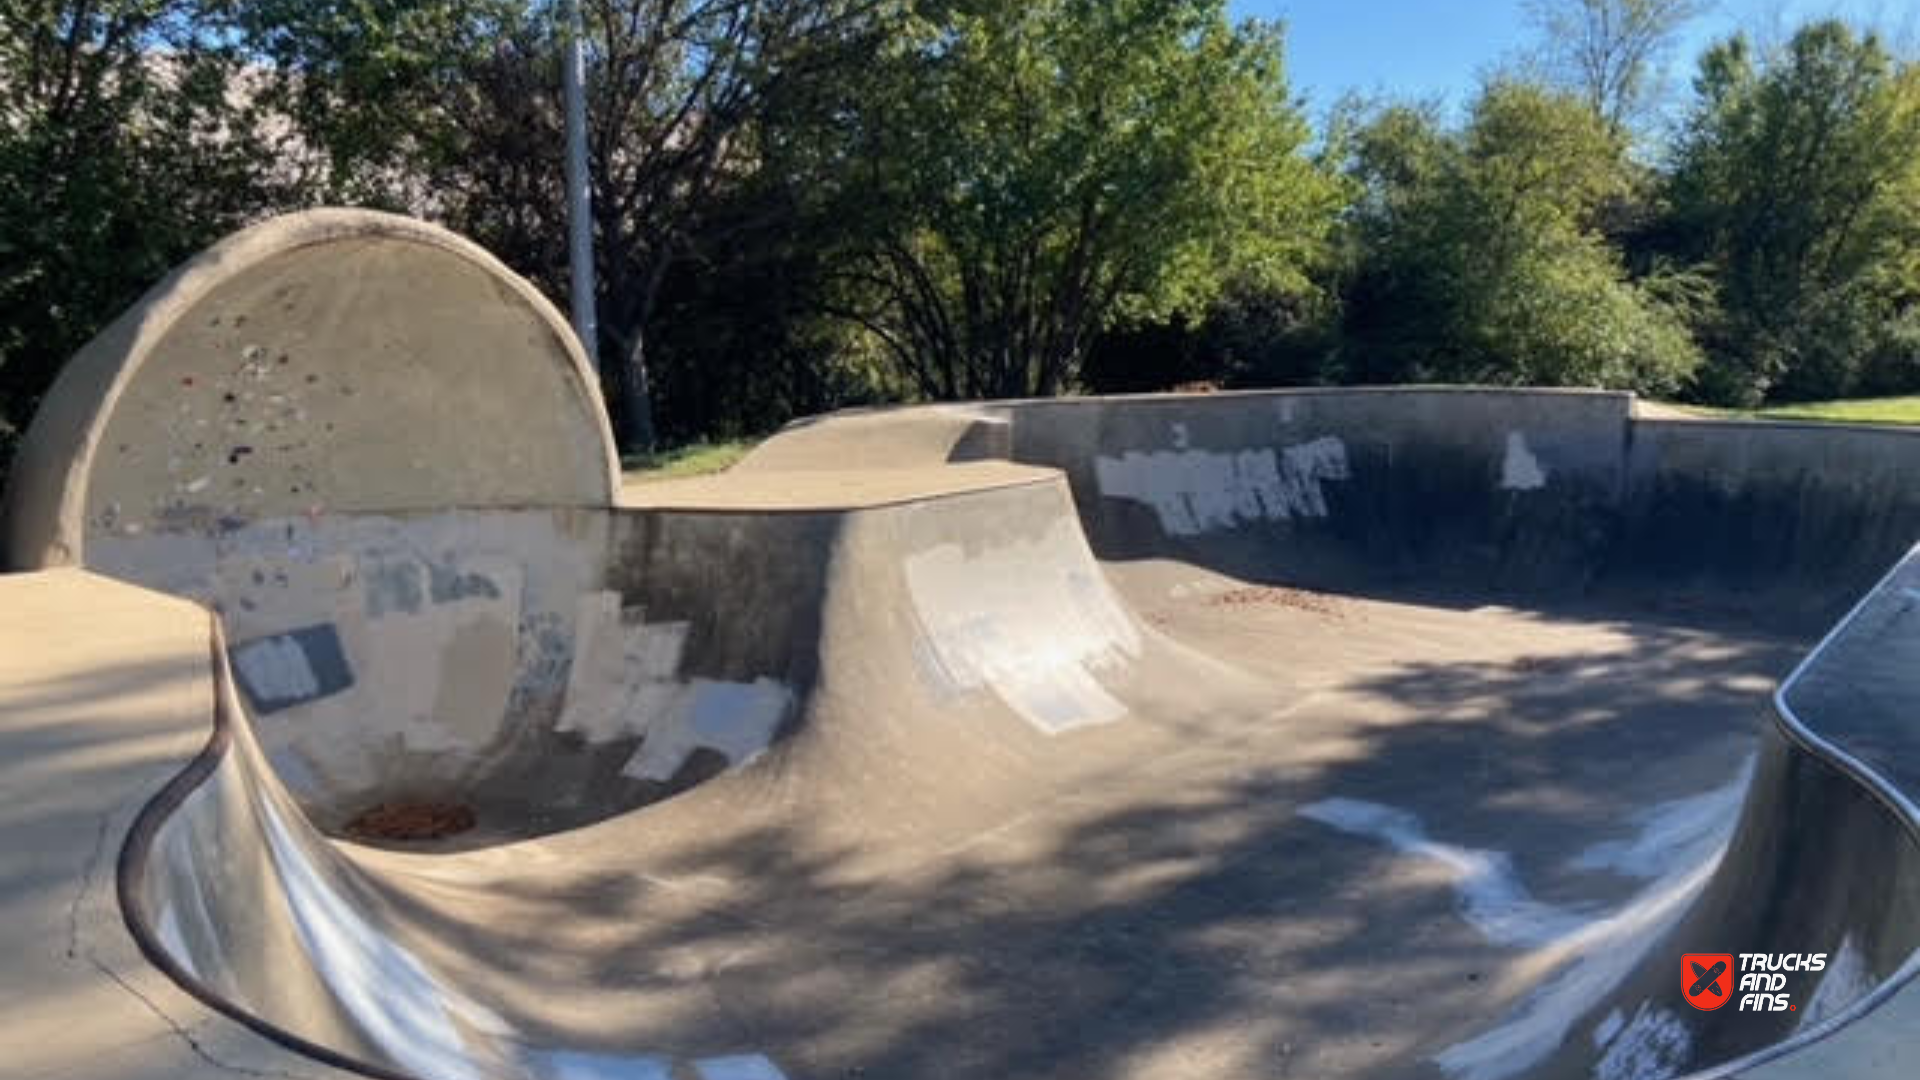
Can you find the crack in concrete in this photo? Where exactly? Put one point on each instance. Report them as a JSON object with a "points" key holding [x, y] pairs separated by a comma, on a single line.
{"points": [[186, 1036]]}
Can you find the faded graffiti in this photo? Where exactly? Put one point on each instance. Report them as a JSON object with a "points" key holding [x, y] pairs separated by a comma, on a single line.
{"points": [[1200, 491]]}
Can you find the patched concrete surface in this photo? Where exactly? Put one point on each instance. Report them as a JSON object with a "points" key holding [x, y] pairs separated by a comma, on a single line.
{"points": [[1403, 733]]}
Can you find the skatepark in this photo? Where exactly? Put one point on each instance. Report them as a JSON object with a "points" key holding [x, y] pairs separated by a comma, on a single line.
{"points": [[1404, 732]]}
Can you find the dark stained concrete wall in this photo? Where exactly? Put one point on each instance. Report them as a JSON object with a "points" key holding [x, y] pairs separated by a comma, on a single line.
{"points": [[1443, 492], [1423, 489], [1800, 518]]}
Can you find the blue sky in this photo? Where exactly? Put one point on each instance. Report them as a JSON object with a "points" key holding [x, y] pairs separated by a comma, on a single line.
{"points": [[1427, 48]]}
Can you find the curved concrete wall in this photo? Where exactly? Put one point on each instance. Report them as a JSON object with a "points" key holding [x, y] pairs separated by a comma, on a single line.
{"points": [[324, 362], [1798, 518], [1447, 490], [940, 644], [1826, 859], [1346, 489]]}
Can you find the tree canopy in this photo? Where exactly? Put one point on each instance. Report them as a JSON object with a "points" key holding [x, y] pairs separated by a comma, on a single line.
{"points": [[800, 204], [1480, 258], [1797, 179], [1029, 171]]}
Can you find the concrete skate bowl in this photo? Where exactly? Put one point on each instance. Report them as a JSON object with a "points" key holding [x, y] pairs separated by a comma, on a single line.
{"points": [[1401, 733]]}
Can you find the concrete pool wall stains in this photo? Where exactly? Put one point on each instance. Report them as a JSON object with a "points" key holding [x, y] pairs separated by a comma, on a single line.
{"points": [[1797, 520], [444, 634], [633, 659]]}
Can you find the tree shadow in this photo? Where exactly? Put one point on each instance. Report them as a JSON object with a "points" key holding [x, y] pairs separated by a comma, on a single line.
{"points": [[1168, 916]]}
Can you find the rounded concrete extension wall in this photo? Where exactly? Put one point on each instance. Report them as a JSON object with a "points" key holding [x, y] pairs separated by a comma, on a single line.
{"points": [[326, 361]]}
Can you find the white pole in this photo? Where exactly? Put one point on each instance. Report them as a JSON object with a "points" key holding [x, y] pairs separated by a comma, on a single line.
{"points": [[586, 324]]}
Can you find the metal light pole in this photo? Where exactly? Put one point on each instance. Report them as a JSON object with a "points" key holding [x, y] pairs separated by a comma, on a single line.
{"points": [[586, 324]]}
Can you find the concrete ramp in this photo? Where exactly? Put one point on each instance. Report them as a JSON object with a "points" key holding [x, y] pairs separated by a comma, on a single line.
{"points": [[1416, 733]]}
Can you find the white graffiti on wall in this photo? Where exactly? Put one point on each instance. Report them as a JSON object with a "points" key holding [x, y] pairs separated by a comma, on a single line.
{"points": [[1520, 470], [1199, 491]]}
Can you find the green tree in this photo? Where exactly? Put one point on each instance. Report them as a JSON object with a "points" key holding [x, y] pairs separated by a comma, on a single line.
{"points": [[1798, 179], [450, 109], [1610, 51], [1479, 257], [130, 137], [1026, 173]]}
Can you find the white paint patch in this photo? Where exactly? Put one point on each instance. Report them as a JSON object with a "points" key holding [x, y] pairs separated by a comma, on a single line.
{"points": [[623, 669], [1490, 894], [1673, 834], [1521, 471], [276, 669], [1845, 981], [280, 575], [1584, 956], [1604, 1031], [738, 1067], [1589, 964], [737, 720], [1198, 491], [1656, 1045], [1031, 620], [624, 682]]}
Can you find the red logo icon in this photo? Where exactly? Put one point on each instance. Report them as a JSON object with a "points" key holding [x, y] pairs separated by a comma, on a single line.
{"points": [[1706, 979]]}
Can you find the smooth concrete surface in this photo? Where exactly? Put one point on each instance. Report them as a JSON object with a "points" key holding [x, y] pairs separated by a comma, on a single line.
{"points": [[327, 361], [1401, 733]]}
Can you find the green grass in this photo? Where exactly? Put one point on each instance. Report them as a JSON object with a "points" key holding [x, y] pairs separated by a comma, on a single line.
{"points": [[693, 459], [1893, 410]]}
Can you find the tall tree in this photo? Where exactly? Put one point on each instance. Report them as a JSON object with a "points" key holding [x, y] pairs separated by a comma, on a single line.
{"points": [[1610, 51], [130, 136], [1798, 179], [1027, 170], [1481, 259], [451, 108]]}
